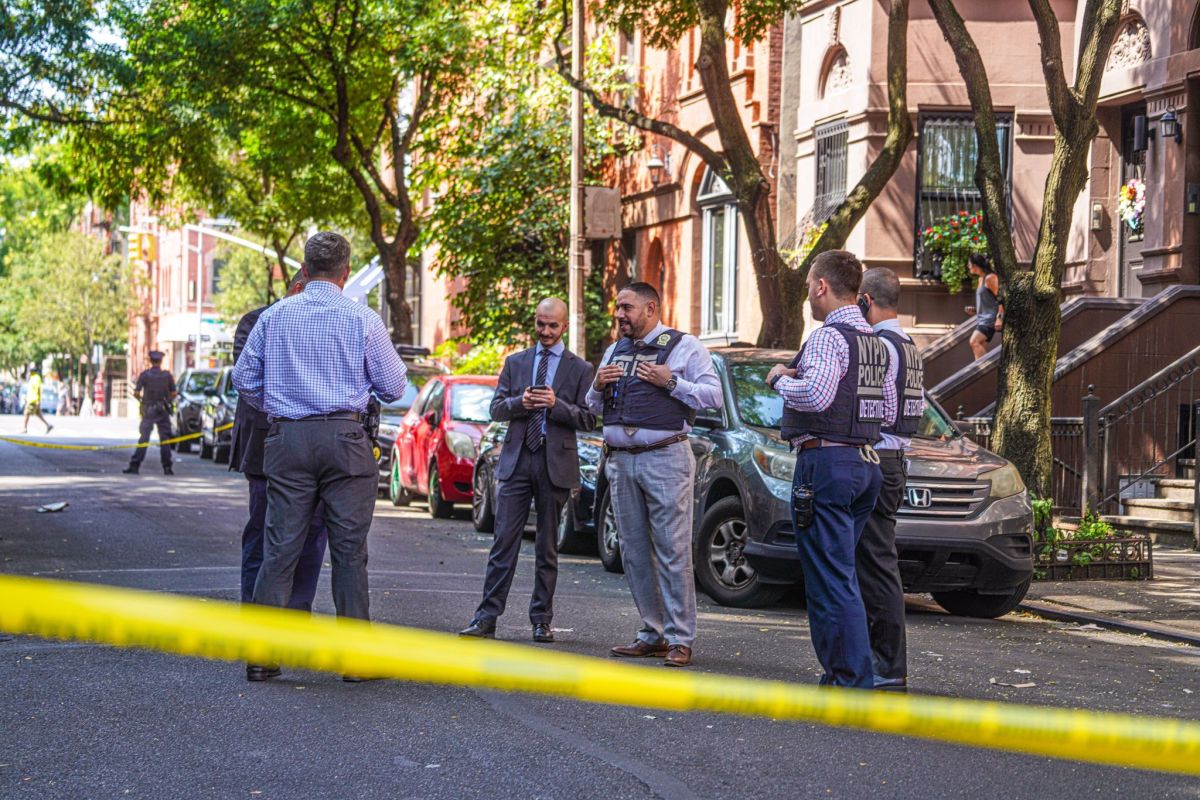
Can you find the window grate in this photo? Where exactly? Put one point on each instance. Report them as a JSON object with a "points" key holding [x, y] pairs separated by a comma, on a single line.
{"points": [[833, 144]]}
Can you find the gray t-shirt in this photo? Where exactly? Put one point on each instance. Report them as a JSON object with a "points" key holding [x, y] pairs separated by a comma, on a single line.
{"points": [[987, 305]]}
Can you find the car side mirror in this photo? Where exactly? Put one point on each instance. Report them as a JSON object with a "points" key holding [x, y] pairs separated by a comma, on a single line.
{"points": [[431, 418]]}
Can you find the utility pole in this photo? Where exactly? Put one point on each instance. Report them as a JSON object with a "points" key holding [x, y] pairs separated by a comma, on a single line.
{"points": [[578, 247]]}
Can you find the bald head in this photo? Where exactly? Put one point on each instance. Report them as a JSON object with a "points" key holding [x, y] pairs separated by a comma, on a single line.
{"points": [[550, 321]]}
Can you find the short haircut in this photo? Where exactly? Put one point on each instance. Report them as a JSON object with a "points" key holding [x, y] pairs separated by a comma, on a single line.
{"points": [[297, 279], [644, 291], [326, 254], [981, 261], [841, 269], [883, 285]]}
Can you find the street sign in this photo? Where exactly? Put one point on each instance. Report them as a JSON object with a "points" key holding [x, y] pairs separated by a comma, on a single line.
{"points": [[601, 212]]}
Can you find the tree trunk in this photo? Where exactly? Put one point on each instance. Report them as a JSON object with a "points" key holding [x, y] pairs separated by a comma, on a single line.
{"points": [[393, 258]]}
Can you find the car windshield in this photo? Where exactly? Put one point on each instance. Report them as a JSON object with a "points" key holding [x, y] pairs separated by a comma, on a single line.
{"points": [[471, 402], [758, 405], [199, 381], [415, 381]]}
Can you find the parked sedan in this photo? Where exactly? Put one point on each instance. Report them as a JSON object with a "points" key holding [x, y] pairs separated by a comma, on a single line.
{"points": [[437, 440], [392, 414], [964, 532], [190, 402], [576, 526], [219, 411]]}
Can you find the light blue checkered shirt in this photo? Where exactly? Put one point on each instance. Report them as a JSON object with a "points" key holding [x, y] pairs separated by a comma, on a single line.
{"points": [[316, 353]]}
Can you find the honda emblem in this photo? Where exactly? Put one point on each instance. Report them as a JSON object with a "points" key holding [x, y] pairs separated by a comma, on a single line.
{"points": [[919, 497]]}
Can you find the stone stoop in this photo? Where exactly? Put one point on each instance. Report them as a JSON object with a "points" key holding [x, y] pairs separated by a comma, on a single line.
{"points": [[1167, 517]]}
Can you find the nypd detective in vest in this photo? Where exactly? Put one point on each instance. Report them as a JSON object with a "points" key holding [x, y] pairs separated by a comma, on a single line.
{"points": [[652, 382], [834, 405], [876, 561]]}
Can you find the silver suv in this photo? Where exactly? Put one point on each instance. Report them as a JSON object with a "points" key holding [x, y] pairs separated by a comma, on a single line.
{"points": [[964, 532]]}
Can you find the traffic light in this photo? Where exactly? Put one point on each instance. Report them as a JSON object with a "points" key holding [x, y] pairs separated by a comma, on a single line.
{"points": [[149, 246], [135, 247]]}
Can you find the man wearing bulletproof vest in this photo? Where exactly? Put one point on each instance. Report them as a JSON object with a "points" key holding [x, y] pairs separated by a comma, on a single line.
{"points": [[876, 561], [834, 405], [155, 389], [649, 386]]}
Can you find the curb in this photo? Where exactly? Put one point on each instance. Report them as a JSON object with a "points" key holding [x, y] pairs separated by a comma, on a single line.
{"points": [[1152, 629]]}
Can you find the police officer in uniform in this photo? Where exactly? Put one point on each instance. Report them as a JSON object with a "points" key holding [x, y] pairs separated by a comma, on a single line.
{"points": [[834, 406], [155, 389], [876, 561]]}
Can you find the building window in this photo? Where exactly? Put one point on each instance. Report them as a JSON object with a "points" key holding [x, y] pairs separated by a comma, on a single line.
{"points": [[946, 156], [833, 143], [719, 253]]}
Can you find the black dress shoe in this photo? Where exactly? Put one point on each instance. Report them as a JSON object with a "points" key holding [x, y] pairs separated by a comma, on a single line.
{"points": [[167, 470], [479, 629], [130, 471], [542, 632], [257, 672]]}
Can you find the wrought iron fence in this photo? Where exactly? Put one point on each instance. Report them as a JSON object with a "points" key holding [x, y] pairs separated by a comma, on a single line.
{"points": [[1067, 444]]}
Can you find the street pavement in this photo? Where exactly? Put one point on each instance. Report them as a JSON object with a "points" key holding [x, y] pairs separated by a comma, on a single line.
{"points": [[87, 721]]}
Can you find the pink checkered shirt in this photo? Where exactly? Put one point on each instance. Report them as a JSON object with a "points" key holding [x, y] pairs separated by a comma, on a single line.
{"points": [[826, 359]]}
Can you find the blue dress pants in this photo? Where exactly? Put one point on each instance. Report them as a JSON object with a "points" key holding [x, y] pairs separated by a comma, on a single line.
{"points": [[845, 487], [308, 570]]}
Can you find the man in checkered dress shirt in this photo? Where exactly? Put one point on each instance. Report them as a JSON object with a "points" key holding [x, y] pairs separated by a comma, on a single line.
{"points": [[312, 362], [830, 424]]}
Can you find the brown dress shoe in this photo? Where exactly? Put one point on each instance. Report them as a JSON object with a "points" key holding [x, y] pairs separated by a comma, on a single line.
{"points": [[640, 649], [678, 655]]}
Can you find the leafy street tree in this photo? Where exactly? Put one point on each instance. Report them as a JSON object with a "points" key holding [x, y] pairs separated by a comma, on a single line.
{"points": [[248, 280], [1032, 313], [352, 81], [781, 287], [73, 295], [500, 179]]}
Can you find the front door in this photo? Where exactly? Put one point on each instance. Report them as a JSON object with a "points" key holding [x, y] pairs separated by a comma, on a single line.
{"points": [[1133, 166]]}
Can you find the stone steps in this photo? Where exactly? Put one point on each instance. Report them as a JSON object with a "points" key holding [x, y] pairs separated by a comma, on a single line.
{"points": [[1159, 508], [1171, 533], [1177, 489]]}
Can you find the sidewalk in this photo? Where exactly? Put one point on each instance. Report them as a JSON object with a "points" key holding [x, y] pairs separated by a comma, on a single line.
{"points": [[1167, 607]]}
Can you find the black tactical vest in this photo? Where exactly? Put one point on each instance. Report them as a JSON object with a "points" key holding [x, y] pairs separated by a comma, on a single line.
{"points": [[910, 385], [856, 414], [635, 403]]}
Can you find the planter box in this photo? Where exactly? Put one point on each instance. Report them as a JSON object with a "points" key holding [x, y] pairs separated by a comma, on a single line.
{"points": [[1125, 558]]}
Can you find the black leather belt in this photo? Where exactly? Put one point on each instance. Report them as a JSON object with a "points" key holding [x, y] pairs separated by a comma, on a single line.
{"points": [[645, 448], [890, 453], [350, 415]]}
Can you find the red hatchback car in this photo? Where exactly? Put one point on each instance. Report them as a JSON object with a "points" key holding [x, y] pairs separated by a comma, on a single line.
{"points": [[438, 439]]}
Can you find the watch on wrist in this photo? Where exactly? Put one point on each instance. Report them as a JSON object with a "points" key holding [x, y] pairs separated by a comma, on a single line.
{"points": [[671, 384], [774, 380]]}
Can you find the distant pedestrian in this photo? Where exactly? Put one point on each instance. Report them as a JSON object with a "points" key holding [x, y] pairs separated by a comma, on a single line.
{"points": [[246, 456], [834, 405], [876, 560], [33, 401], [542, 393], [988, 310], [155, 389], [653, 381], [311, 363]]}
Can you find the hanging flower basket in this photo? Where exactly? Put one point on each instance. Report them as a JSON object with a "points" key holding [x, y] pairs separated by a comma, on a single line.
{"points": [[1131, 204], [950, 241]]}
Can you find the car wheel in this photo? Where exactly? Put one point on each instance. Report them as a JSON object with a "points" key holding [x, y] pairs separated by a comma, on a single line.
{"points": [[186, 445], [221, 454], [970, 603], [483, 516], [438, 507], [206, 449], [396, 491], [721, 567], [570, 539], [607, 540]]}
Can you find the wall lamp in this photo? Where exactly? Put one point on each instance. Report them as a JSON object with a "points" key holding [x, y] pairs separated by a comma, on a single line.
{"points": [[1168, 126], [658, 163]]}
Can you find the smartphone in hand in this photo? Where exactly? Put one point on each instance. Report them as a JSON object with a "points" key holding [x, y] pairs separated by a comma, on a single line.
{"points": [[541, 387]]}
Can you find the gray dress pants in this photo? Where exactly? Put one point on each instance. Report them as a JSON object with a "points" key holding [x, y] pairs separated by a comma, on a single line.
{"points": [[306, 462], [652, 502]]}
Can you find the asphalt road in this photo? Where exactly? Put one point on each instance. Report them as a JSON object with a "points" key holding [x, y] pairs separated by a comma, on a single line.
{"points": [[88, 721]]}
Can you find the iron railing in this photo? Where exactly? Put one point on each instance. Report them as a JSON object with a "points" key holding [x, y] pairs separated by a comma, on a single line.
{"points": [[1066, 440]]}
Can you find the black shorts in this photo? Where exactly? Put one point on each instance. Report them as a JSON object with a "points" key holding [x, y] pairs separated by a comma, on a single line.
{"points": [[987, 330]]}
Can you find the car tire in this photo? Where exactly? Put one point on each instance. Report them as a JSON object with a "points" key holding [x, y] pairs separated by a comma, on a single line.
{"points": [[221, 454], [396, 491], [721, 569], [483, 516], [970, 603], [608, 542], [571, 540], [186, 445], [206, 449], [438, 507]]}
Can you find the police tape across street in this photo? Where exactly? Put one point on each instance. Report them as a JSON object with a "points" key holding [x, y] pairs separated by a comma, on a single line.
{"points": [[220, 630], [95, 447]]}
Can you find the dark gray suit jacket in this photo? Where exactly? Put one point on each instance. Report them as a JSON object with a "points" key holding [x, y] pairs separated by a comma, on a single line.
{"points": [[250, 425], [570, 414]]}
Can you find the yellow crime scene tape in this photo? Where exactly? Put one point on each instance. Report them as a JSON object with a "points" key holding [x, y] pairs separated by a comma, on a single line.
{"points": [[134, 446], [221, 630]]}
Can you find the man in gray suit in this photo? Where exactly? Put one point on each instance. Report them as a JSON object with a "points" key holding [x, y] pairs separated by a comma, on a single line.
{"points": [[541, 394]]}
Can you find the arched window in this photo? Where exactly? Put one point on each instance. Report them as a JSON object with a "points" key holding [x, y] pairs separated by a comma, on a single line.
{"points": [[835, 71], [719, 257]]}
